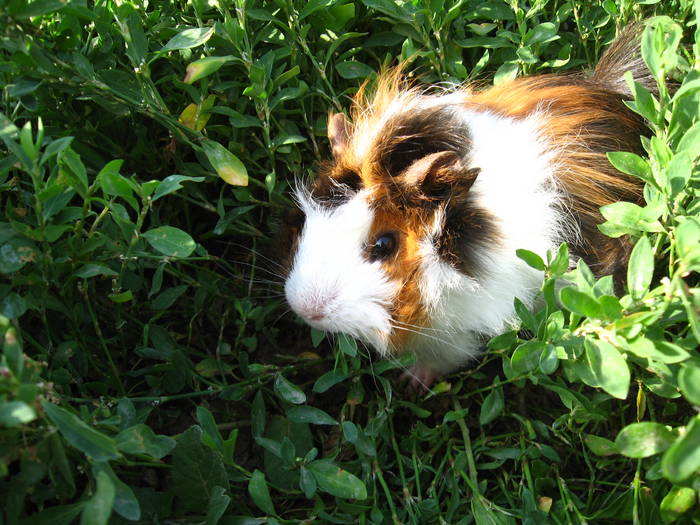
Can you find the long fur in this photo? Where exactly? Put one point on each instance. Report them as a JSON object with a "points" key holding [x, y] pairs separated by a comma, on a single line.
{"points": [[461, 180]]}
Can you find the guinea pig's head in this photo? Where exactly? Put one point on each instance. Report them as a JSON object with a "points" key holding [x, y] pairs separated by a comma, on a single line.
{"points": [[379, 216]]}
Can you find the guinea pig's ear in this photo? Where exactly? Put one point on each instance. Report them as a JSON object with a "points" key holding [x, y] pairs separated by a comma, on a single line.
{"points": [[339, 130], [437, 175]]}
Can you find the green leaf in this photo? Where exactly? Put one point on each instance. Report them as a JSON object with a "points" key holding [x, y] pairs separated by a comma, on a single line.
{"points": [[236, 119], [86, 439], [125, 502], [347, 345], [329, 380], [525, 315], [600, 446], [197, 471], [549, 360], [526, 357], [542, 33], [15, 413], [560, 263], [690, 143], [580, 303], [608, 367], [307, 482], [659, 42], [336, 481], [689, 382], [226, 164], [13, 306], [683, 458], [170, 241], [166, 299], [14, 254], [71, 167], [121, 297], [313, 6], [55, 147], [12, 350], [188, 39], [628, 218], [503, 341], [307, 414], [211, 437], [531, 258], [641, 267], [662, 351], [631, 164], [492, 407], [112, 183], [38, 8], [679, 171], [388, 7], [93, 269], [677, 502], [350, 70], [140, 439], [641, 440], [204, 67], [505, 73], [350, 431], [130, 26], [217, 506], [288, 391], [284, 441], [171, 184], [260, 494], [688, 237], [98, 509]]}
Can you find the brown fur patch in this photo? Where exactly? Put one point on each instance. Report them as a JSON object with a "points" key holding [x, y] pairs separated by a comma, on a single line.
{"points": [[582, 122], [391, 131], [409, 225]]}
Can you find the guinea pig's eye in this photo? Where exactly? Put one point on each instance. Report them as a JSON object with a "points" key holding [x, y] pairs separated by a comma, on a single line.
{"points": [[384, 246]]}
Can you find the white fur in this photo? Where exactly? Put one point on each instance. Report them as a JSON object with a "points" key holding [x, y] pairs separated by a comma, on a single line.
{"points": [[516, 185], [331, 284]]}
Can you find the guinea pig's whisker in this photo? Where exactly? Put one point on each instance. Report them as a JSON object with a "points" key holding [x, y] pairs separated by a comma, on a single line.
{"points": [[256, 281], [424, 328], [261, 269], [280, 316], [255, 252], [429, 336]]}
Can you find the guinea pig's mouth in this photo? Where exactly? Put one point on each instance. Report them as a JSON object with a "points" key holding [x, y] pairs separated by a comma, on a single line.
{"points": [[316, 309], [326, 314]]}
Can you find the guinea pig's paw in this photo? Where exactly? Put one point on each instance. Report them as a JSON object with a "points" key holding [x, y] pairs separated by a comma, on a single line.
{"points": [[419, 378]]}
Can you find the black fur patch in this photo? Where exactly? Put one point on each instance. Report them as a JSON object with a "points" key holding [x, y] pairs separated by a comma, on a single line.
{"points": [[468, 232], [411, 136], [469, 229], [335, 184]]}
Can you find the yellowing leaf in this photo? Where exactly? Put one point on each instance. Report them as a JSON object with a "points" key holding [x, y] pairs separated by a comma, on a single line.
{"points": [[226, 164], [204, 67], [196, 116]]}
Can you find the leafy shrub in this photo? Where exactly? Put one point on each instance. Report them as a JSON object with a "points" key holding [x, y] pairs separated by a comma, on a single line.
{"points": [[146, 371]]}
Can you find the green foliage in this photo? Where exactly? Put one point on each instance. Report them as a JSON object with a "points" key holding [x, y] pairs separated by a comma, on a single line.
{"points": [[146, 373]]}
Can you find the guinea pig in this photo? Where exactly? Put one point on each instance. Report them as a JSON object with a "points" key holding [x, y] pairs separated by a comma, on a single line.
{"points": [[407, 238]]}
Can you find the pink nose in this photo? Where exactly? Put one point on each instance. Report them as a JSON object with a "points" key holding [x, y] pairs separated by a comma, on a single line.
{"points": [[317, 316], [312, 312], [314, 309]]}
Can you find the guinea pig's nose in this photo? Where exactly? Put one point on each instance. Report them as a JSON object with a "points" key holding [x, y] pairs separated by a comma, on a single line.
{"points": [[316, 316], [315, 309]]}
